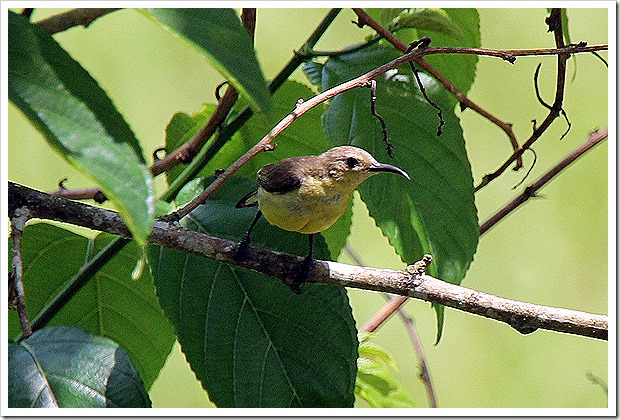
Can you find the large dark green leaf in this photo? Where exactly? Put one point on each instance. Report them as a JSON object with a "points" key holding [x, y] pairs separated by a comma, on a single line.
{"points": [[434, 212], [111, 305], [219, 35], [250, 340], [67, 367], [79, 121]]}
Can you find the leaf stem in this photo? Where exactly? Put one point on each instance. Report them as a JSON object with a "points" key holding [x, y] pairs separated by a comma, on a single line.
{"points": [[18, 222]]}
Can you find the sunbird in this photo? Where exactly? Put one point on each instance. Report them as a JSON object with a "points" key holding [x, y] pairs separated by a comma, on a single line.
{"points": [[307, 194]]}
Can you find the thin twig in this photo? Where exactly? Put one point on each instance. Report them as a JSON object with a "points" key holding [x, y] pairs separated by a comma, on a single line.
{"points": [[74, 17], [18, 221], [555, 24], [597, 381], [366, 19], [384, 313], [302, 107], [530, 191], [198, 161], [425, 375], [524, 317]]}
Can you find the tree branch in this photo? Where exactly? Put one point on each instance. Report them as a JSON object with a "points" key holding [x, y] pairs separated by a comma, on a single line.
{"points": [[366, 19], [524, 317], [74, 17], [555, 25], [530, 191], [187, 152]]}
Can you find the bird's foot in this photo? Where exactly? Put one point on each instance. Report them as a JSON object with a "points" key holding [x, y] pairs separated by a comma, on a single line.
{"points": [[242, 249], [301, 276]]}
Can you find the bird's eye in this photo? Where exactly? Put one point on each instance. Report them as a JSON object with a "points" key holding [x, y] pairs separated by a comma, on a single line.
{"points": [[352, 162]]}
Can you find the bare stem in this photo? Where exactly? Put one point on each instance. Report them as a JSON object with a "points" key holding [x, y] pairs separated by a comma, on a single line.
{"points": [[555, 24], [425, 375], [530, 191], [74, 17]]}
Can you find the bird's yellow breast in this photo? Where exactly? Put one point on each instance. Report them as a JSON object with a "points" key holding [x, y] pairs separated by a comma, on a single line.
{"points": [[311, 208]]}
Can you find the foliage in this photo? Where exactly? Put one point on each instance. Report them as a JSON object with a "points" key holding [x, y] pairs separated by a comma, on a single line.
{"points": [[377, 381], [244, 312], [249, 340], [66, 367]]}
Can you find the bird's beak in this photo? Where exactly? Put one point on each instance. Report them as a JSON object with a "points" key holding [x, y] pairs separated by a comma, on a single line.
{"points": [[385, 167]]}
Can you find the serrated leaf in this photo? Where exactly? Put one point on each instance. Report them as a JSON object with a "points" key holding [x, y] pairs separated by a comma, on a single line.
{"points": [[111, 305], [313, 71], [79, 121], [431, 19], [219, 34], [435, 211], [377, 381], [67, 367], [459, 69], [250, 340]]}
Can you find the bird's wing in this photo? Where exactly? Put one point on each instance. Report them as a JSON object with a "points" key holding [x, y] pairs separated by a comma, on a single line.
{"points": [[279, 177], [248, 200]]}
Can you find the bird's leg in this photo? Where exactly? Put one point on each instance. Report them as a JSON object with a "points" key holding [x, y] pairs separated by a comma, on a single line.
{"points": [[242, 248], [304, 270]]}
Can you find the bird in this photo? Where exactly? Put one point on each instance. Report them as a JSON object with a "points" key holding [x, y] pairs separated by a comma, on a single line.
{"points": [[307, 194]]}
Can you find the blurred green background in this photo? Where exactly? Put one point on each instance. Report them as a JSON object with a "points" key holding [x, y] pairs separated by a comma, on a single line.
{"points": [[552, 251]]}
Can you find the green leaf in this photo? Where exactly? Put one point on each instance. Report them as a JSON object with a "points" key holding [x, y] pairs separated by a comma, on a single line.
{"points": [[460, 69], [111, 305], [181, 129], [66, 367], [384, 15], [377, 381], [313, 71], [250, 340], [219, 34], [435, 20], [79, 121], [435, 211]]}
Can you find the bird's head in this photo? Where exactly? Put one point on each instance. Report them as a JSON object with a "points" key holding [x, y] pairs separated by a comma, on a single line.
{"points": [[351, 165]]}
